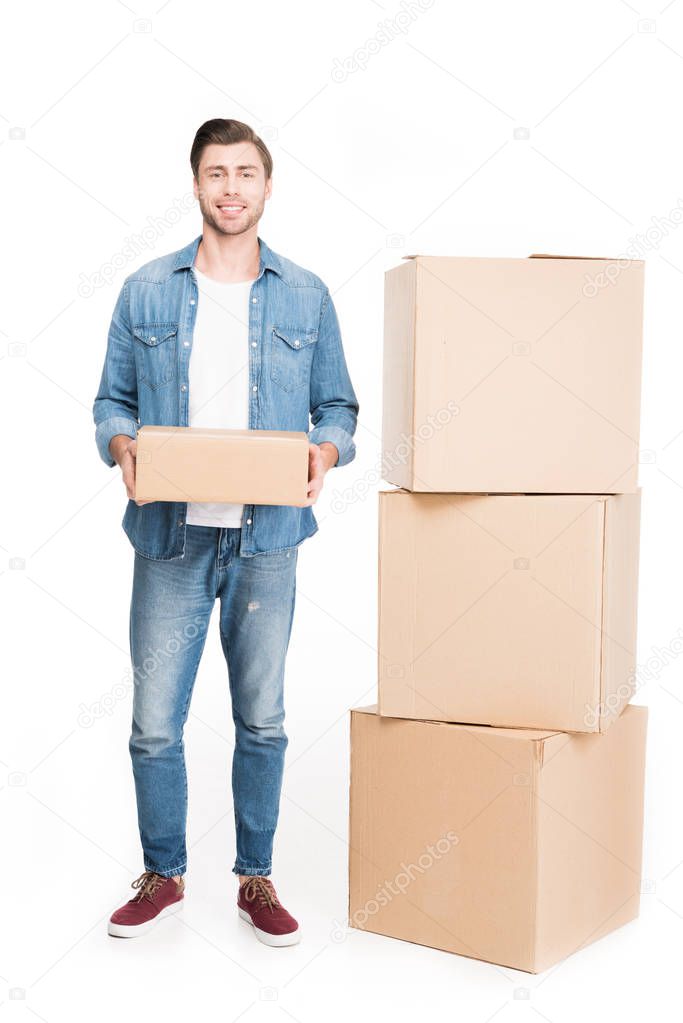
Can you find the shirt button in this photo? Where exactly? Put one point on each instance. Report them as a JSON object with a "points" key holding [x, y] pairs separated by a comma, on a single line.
{"points": [[186, 344], [254, 301], [254, 387], [297, 343], [180, 522], [253, 344], [191, 301], [248, 522], [183, 387], [152, 339]]}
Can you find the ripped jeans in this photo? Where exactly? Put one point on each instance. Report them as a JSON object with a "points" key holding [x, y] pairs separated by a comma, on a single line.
{"points": [[171, 606]]}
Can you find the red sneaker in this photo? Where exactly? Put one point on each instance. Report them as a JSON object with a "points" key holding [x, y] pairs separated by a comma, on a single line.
{"points": [[258, 904], [158, 897]]}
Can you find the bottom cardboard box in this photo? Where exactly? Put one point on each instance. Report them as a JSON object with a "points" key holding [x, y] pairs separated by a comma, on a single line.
{"points": [[511, 845]]}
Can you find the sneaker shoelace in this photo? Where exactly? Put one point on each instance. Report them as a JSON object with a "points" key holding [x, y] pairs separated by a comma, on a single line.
{"points": [[149, 884], [261, 891]]}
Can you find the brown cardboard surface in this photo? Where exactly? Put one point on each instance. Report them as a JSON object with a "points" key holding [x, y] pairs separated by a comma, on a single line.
{"points": [[513, 846], [510, 610], [189, 463], [504, 375], [590, 842]]}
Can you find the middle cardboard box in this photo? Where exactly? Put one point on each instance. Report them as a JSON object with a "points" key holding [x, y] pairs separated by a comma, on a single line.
{"points": [[513, 610]]}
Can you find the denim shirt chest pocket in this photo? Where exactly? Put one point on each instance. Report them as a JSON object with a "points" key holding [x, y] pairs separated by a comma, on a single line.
{"points": [[156, 352], [291, 355]]}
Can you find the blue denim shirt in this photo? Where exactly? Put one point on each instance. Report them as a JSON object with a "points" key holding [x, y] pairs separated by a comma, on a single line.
{"points": [[296, 368]]}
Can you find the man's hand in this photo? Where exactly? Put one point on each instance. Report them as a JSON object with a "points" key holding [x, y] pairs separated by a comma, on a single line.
{"points": [[321, 457], [123, 450]]}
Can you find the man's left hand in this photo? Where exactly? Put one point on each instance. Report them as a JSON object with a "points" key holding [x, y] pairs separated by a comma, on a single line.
{"points": [[321, 457]]}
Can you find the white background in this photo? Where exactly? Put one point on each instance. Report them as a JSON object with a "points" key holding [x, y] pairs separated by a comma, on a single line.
{"points": [[414, 150]]}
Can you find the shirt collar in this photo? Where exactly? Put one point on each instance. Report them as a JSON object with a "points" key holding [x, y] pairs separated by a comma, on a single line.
{"points": [[269, 260]]}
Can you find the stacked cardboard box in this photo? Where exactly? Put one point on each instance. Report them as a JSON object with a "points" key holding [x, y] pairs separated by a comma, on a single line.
{"points": [[496, 801]]}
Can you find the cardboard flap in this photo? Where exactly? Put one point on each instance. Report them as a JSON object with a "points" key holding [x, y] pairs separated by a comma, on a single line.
{"points": [[534, 735], [532, 255], [555, 255]]}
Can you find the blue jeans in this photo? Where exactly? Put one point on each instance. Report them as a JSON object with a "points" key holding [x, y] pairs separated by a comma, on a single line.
{"points": [[171, 606]]}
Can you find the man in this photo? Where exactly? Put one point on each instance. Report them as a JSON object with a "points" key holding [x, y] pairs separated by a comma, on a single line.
{"points": [[222, 333]]}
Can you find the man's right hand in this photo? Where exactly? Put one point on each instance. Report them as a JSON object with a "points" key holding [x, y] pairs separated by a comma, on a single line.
{"points": [[123, 450]]}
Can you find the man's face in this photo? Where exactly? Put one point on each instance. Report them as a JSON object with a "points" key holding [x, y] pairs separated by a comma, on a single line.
{"points": [[231, 176]]}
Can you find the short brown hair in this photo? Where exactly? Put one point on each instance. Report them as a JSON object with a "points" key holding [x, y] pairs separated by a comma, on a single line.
{"points": [[223, 132]]}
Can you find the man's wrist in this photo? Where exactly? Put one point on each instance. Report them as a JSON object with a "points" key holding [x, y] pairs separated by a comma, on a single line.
{"points": [[330, 453], [117, 444]]}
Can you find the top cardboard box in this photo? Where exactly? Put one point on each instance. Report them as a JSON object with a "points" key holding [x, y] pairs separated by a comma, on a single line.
{"points": [[512, 375]]}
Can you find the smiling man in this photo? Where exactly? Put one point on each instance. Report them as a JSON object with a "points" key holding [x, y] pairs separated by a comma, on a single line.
{"points": [[222, 333]]}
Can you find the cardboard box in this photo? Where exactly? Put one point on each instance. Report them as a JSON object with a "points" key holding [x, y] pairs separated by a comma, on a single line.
{"points": [[508, 609], [513, 846], [506, 375], [192, 463]]}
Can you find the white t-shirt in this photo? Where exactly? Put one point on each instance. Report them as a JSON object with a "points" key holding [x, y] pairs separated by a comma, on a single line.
{"points": [[219, 376]]}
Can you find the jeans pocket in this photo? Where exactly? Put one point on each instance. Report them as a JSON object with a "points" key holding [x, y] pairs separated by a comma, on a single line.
{"points": [[156, 352], [291, 356]]}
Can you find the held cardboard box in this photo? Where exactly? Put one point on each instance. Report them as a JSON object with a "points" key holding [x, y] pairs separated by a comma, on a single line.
{"points": [[514, 846], [191, 463], [517, 610], [510, 375]]}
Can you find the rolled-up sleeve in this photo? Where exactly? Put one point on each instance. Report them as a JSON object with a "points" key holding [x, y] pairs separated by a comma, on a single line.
{"points": [[334, 405], [115, 408]]}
